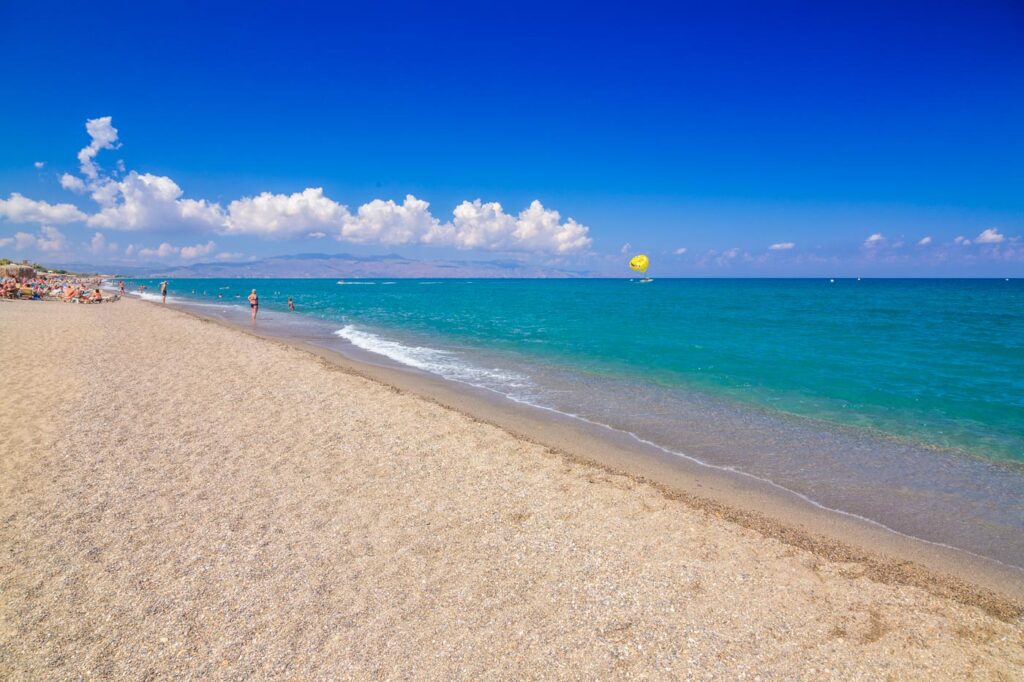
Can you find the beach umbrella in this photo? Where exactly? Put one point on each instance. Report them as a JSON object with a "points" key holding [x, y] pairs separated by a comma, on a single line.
{"points": [[17, 270]]}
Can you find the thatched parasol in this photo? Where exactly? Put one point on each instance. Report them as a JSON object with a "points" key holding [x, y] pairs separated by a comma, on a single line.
{"points": [[17, 270]]}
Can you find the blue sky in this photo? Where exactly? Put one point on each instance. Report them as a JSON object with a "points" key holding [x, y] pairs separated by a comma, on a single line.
{"points": [[844, 137]]}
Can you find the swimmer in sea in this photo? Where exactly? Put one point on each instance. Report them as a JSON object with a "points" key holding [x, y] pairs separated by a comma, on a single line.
{"points": [[291, 304], [254, 304]]}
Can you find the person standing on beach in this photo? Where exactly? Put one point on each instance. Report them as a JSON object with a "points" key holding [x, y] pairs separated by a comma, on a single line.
{"points": [[291, 304], [120, 287], [163, 290], [254, 304]]}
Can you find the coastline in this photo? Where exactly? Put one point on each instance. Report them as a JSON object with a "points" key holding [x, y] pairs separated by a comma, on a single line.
{"points": [[184, 500], [885, 554]]}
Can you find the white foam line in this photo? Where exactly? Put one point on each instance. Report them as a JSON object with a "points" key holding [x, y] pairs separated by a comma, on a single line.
{"points": [[720, 467]]}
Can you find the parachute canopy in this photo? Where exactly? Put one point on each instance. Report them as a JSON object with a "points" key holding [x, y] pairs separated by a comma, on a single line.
{"points": [[639, 263]]}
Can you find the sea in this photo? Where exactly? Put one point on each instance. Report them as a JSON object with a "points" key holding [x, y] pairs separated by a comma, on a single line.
{"points": [[898, 401]]}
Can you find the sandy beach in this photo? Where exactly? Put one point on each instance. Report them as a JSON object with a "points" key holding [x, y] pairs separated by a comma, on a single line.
{"points": [[179, 499]]}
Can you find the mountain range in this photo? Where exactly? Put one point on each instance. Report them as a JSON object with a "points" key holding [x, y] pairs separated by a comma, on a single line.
{"points": [[346, 265]]}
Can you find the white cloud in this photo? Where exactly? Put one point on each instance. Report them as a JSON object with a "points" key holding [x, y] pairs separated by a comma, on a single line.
{"points": [[19, 209], [229, 255], [626, 248], [49, 239], [72, 182], [722, 258], [283, 215], [476, 225], [142, 201], [874, 240], [39, 164], [161, 252], [962, 241], [386, 222], [6, 241], [146, 201], [99, 245], [782, 246], [487, 226], [925, 241], [168, 251], [104, 136], [989, 236], [680, 251], [197, 251]]}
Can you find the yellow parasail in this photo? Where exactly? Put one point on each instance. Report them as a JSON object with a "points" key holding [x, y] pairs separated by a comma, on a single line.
{"points": [[639, 263]]}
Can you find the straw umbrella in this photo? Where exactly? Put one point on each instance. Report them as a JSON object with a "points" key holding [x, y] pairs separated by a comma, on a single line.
{"points": [[17, 271]]}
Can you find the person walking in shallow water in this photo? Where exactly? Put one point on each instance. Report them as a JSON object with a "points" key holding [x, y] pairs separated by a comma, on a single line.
{"points": [[163, 290], [254, 304], [291, 304]]}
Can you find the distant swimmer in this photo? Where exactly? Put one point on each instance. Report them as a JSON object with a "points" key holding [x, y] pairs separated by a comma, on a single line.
{"points": [[163, 291], [291, 304], [254, 304]]}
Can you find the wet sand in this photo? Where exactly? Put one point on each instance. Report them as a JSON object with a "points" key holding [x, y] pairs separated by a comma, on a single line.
{"points": [[180, 499]]}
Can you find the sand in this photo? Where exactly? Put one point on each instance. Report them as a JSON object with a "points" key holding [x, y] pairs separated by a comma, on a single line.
{"points": [[182, 500]]}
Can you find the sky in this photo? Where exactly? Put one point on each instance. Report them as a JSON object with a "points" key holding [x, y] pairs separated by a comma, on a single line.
{"points": [[722, 139]]}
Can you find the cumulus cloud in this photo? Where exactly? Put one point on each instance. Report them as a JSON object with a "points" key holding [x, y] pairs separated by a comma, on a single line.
{"points": [[680, 251], [197, 251], [134, 201], [72, 182], [48, 239], [148, 201], [168, 251], [874, 240], [781, 246], [19, 209], [99, 245], [487, 226], [475, 225], [103, 135], [161, 252], [925, 241], [285, 214], [962, 241], [989, 236], [39, 164], [385, 222]]}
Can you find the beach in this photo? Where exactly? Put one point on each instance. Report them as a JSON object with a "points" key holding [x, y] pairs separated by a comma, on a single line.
{"points": [[182, 499]]}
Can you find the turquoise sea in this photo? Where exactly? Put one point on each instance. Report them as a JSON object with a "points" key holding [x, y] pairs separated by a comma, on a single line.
{"points": [[901, 401]]}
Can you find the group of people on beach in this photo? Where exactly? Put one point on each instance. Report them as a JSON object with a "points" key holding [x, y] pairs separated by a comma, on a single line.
{"points": [[254, 299], [66, 288]]}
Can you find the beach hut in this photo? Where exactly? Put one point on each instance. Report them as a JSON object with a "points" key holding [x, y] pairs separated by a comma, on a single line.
{"points": [[17, 270]]}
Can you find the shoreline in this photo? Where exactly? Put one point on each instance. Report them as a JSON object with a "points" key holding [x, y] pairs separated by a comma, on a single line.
{"points": [[883, 554], [184, 500]]}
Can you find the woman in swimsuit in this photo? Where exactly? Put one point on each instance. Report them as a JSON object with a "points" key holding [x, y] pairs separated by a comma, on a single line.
{"points": [[254, 304]]}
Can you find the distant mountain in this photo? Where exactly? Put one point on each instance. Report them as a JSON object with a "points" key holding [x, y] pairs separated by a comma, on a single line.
{"points": [[346, 265]]}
